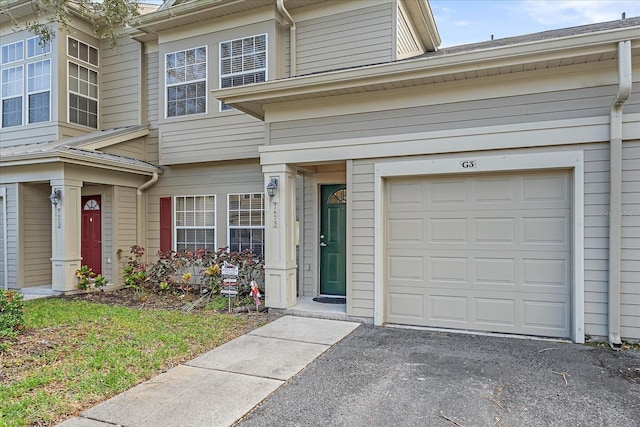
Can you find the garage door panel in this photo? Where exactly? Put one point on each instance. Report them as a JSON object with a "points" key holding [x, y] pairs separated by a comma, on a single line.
{"points": [[495, 311], [552, 230], [548, 188], [450, 269], [406, 230], [482, 252], [449, 308], [403, 267], [494, 230]]}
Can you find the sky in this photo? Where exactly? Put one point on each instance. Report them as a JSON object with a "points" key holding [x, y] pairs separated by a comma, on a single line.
{"points": [[469, 21]]}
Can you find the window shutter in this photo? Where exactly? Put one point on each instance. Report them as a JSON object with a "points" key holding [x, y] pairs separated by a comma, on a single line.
{"points": [[165, 224]]}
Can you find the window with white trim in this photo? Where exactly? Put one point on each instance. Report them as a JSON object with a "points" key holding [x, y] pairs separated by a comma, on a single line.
{"points": [[186, 82], [246, 222], [195, 222], [21, 77], [12, 89], [83, 83], [242, 62]]}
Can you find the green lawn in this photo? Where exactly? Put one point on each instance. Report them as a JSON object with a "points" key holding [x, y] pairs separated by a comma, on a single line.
{"points": [[75, 354]]}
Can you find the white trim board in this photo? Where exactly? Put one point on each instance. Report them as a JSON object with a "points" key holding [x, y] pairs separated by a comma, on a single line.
{"points": [[573, 160]]}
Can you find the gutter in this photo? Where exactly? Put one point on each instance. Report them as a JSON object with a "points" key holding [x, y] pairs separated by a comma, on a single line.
{"points": [[293, 57], [615, 191], [140, 214]]}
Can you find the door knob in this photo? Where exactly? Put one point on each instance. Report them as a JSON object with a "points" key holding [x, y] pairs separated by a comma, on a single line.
{"points": [[323, 244]]}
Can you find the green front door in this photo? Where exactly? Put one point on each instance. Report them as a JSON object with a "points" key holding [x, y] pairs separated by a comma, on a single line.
{"points": [[333, 247]]}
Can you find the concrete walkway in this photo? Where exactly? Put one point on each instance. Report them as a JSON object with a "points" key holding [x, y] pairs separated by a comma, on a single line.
{"points": [[221, 386]]}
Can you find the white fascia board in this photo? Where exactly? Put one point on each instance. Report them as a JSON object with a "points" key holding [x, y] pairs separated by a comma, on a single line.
{"points": [[110, 140], [521, 135], [35, 159], [251, 98]]}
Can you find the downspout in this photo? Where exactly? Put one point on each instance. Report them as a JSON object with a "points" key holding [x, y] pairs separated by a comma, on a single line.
{"points": [[615, 190], [5, 245], [292, 38], [141, 211]]}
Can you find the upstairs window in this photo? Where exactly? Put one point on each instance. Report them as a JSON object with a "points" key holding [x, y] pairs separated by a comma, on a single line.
{"points": [[242, 62], [35, 47], [25, 83], [83, 83], [12, 52], [12, 90], [186, 82]]}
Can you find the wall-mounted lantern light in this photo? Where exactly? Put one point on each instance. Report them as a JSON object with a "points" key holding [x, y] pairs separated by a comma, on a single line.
{"points": [[272, 186], [55, 197]]}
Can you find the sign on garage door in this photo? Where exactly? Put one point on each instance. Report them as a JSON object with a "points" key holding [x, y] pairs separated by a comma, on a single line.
{"points": [[480, 252]]}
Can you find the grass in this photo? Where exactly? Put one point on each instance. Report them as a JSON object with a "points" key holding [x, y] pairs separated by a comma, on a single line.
{"points": [[75, 354]]}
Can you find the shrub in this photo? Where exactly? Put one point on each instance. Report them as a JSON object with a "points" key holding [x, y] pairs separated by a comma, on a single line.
{"points": [[193, 272], [88, 279], [11, 313]]}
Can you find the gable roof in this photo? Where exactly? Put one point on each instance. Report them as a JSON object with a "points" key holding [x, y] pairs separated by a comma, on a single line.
{"points": [[548, 49]]}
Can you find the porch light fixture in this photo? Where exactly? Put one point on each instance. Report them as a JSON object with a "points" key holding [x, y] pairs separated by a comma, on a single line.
{"points": [[55, 196], [272, 186]]}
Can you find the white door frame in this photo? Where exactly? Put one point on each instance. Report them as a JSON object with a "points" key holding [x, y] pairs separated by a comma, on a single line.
{"points": [[475, 163]]}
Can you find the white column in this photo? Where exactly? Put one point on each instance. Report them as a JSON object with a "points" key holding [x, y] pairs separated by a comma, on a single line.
{"points": [[280, 249], [66, 250]]}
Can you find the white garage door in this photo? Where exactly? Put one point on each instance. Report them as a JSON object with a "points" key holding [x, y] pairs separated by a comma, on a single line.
{"points": [[480, 252]]}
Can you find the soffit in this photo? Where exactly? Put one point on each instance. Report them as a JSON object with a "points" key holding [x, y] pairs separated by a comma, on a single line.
{"points": [[536, 55]]}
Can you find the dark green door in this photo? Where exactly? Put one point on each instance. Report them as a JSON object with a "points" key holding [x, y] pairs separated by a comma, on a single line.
{"points": [[333, 232]]}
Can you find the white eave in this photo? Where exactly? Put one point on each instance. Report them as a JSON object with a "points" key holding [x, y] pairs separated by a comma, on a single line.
{"points": [[432, 68]]}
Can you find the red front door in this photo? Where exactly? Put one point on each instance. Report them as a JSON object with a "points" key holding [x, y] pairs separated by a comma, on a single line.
{"points": [[91, 233]]}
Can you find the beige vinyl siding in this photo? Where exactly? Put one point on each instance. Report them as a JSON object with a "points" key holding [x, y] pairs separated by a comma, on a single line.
{"points": [[3, 240], [13, 246], [120, 96], [362, 232], [630, 264], [135, 149], [124, 224], [36, 250], [152, 104], [406, 43], [567, 104], [310, 227], [32, 134], [346, 39], [596, 239], [108, 269], [219, 179], [237, 136]]}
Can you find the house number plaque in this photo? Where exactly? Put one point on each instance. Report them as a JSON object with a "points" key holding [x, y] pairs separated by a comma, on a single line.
{"points": [[275, 214], [468, 164]]}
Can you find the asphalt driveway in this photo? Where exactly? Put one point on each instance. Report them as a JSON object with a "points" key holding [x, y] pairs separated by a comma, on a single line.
{"points": [[399, 377]]}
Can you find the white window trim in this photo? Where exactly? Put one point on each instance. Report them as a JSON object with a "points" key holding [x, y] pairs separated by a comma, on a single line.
{"points": [[96, 66], [220, 75], [26, 48], [174, 230], [573, 160], [250, 227], [70, 92], [206, 84], [17, 60], [27, 106], [21, 96]]}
